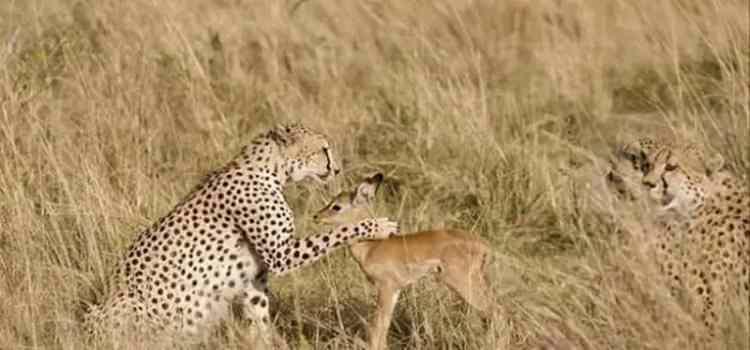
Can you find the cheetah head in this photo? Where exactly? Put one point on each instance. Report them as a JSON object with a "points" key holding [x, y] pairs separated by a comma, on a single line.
{"points": [[679, 182], [634, 160], [306, 153], [628, 165]]}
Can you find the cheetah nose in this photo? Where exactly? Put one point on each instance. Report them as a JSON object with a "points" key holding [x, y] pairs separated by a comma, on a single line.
{"points": [[611, 177], [648, 183]]}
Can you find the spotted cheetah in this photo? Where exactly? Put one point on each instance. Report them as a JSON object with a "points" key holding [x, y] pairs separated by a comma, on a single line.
{"points": [[707, 249], [704, 214], [218, 246]]}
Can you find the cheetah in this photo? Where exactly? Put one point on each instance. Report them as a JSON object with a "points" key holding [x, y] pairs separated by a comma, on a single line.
{"points": [[707, 250], [703, 212], [217, 247]]}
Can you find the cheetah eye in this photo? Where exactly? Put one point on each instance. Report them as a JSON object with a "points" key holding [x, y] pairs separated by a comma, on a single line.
{"points": [[336, 207], [645, 168]]}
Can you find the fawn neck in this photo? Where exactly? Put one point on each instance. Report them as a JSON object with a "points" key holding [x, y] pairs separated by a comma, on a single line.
{"points": [[361, 249]]}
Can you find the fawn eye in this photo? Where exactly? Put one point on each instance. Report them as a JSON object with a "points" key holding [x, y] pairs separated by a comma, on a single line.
{"points": [[336, 207], [671, 167]]}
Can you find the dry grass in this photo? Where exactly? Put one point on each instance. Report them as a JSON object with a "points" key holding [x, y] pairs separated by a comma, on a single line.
{"points": [[111, 110]]}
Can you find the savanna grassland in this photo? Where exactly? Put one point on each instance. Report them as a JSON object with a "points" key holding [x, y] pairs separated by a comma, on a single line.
{"points": [[490, 116]]}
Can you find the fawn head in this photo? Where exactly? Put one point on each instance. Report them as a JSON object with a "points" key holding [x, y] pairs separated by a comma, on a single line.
{"points": [[351, 206]]}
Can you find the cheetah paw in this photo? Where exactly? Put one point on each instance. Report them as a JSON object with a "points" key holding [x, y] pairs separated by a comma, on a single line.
{"points": [[383, 229]]}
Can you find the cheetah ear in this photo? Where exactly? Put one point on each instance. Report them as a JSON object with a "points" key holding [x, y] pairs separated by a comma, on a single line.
{"points": [[713, 164], [284, 134], [280, 135], [673, 162], [632, 151]]}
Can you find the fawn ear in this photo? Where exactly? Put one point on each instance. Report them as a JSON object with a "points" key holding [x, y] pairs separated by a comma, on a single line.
{"points": [[375, 179], [366, 190]]}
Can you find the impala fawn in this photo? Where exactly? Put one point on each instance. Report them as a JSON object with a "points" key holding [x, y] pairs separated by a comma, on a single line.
{"points": [[457, 258]]}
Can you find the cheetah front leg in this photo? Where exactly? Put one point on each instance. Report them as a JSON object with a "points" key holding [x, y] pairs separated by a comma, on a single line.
{"points": [[293, 254]]}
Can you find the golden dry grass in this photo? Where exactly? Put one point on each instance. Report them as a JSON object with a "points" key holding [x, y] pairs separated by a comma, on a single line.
{"points": [[477, 111]]}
